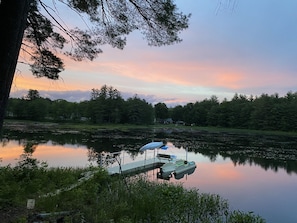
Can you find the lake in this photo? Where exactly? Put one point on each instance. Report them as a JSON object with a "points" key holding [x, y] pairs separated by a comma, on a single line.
{"points": [[253, 172]]}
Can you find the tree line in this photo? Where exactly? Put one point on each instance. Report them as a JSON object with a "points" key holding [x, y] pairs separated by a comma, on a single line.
{"points": [[41, 33], [107, 106]]}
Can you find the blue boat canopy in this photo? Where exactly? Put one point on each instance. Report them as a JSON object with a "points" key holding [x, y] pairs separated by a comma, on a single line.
{"points": [[152, 146]]}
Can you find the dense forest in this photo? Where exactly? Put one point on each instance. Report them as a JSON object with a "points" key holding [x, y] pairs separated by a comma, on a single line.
{"points": [[106, 105]]}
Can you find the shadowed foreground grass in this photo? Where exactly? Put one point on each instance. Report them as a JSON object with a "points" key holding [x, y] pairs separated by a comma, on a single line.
{"points": [[105, 199]]}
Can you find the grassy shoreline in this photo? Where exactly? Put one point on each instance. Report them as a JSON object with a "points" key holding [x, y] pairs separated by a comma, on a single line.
{"points": [[105, 199]]}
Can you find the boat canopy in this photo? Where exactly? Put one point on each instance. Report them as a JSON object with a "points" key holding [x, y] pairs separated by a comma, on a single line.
{"points": [[152, 146]]}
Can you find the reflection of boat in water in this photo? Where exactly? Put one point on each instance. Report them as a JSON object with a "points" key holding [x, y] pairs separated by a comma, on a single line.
{"points": [[177, 168], [164, 176]]}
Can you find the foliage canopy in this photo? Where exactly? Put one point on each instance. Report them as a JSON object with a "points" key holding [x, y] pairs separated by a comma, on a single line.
{"points": [[267, 112], [107, 22]]}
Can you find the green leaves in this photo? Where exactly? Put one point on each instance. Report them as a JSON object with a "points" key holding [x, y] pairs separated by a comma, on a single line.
{"points": [[241, 217]]}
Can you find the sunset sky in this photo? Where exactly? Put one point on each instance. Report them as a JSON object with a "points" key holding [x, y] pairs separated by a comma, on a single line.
{"points": [[231, 46]]}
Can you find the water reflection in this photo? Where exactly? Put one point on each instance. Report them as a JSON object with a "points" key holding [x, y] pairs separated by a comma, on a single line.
{"points": [[255, 173], [268, 152], [55, 155]]}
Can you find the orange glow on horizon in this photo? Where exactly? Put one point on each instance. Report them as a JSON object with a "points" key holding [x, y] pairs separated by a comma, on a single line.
{"points": [[184, 73], [145, 75]]}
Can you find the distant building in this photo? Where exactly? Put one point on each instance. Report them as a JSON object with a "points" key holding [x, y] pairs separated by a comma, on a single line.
{"points": [[168, 121], [180, 123]]}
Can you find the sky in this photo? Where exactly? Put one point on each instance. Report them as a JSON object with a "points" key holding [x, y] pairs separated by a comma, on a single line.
{"points": [[231, 46]]}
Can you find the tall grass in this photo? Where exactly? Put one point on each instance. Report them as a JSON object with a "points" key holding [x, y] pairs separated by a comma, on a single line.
{"points": [[110, 199]]}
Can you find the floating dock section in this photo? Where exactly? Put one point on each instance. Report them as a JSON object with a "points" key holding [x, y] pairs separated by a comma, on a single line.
{"points": [[138, 166]]}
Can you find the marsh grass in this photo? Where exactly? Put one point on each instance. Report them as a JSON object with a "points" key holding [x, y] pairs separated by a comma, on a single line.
{"points": [[26, 125]]}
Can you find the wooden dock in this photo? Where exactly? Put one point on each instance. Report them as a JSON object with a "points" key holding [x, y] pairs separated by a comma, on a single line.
{"points": [[129, 168], [138, 166]]}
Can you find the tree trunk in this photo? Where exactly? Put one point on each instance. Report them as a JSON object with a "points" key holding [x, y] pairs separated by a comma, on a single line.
{"points": [[13, 16]]}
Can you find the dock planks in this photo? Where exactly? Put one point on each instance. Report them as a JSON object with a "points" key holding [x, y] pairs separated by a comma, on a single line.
{"points": [[136, 167]]}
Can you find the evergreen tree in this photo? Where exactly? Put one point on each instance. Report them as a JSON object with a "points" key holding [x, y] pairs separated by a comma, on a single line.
{"points": [[44, 35]]}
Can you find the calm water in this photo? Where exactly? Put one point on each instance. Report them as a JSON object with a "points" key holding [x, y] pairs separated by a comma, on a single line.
{"points": [[260, 185]]}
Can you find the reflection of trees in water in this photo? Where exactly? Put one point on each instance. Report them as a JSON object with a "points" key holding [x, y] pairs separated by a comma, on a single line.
{"points": [[103, 159], [266, 163], [267, 151], [26, 161]]}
